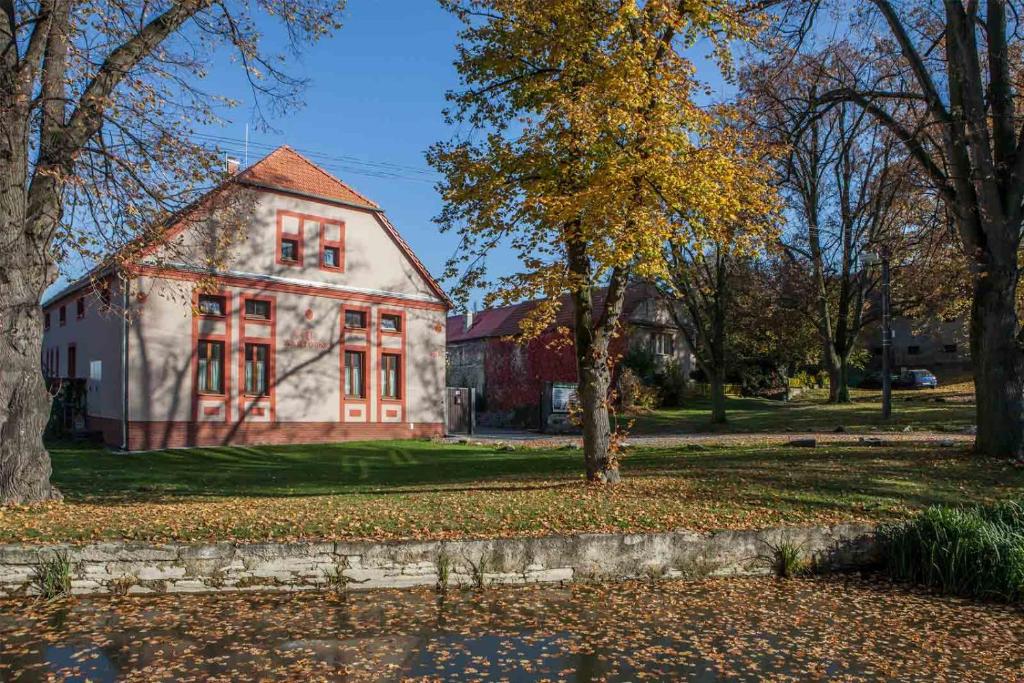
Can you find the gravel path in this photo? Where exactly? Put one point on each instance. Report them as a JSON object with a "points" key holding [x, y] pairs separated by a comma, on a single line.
{"points": [[535, 440]]}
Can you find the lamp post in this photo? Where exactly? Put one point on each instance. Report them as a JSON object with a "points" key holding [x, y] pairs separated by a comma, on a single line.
{"points": [[882, 258]]}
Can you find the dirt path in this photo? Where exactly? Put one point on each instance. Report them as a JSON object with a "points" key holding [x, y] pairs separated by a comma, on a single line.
{"points": [[535, 440]]}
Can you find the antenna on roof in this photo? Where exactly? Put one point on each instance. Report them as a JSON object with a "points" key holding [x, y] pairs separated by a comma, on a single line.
{"points": [[245, 155]]}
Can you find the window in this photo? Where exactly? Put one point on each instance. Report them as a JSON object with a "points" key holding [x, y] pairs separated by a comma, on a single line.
{"points": [[96, 370], [389, 376], [257, 369], [291, 228], [80, 308], [63, 315], [105, 294], [211, 367], [332, 257], [256, 308], [211, 305], [72, 362], [949, 348], [391, 323], [913, 350], [876, 350], [46, 320], [354, 374], [355, 320], [56, 362], [290, 250], [663, 345], [332, 245]]}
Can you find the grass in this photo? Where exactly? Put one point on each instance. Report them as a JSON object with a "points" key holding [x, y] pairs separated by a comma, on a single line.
{"points": [[418, 489], [52, 576], [975, 551], [950, 408]]}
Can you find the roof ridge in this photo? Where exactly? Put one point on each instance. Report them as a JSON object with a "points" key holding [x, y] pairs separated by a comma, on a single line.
{"points": [[329, 175]]}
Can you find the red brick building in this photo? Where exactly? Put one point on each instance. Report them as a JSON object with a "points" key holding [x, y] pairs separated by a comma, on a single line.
{"points": [[509, 374]]}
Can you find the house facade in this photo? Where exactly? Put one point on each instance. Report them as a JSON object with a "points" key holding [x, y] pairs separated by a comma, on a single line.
{"points": [[316, 323], [509, 374]]}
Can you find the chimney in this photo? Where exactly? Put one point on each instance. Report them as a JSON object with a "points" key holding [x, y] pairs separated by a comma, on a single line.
{"points": [[469, 320], [233, 165]]}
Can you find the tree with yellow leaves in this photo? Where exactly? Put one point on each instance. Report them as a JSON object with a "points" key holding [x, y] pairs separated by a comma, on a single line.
{"points": [[586, 144]]}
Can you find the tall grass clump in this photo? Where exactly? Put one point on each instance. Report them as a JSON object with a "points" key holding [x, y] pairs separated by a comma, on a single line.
{"points": [[975, 552]]}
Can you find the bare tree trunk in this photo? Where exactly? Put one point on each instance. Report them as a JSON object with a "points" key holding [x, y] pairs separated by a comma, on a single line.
{"points": [[838, 377], [718, 396], [998, 364], [594, 383], [25, 272], [24, 401]]}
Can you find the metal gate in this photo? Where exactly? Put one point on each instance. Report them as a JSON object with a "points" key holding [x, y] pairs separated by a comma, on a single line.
{"points": [[459, 403]]}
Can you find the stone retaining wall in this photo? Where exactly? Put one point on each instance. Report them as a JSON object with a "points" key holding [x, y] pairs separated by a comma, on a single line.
{"points": [[179, 568]]}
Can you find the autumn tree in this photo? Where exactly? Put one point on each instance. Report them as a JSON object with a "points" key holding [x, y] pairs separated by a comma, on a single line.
{"points": [[97, 104], [583, 122], [943, 78], [850, 190], [710, 258]]}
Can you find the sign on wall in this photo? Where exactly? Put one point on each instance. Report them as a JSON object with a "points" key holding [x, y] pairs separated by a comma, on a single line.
{"points": [[563, 397]]}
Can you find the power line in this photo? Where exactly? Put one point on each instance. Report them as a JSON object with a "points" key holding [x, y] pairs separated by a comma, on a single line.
{"points": [[335, 162]]}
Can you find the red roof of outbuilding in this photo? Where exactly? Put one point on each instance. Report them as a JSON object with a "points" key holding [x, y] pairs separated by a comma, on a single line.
{"points": [[504, 321]]}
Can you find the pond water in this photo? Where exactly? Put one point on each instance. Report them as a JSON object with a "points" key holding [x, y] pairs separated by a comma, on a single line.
{"points": [[735, 629]]}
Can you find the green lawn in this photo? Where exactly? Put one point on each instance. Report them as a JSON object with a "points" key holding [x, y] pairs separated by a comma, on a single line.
{"points": [[429, 490], [951, 409]]}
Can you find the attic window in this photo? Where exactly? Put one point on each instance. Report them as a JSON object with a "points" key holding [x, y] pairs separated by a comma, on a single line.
{"points": [[289, 250]]}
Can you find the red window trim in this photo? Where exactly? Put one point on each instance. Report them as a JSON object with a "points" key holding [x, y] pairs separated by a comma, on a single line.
{"points": [[224, 356], [197, 395], [212, 316], [297, 236], [400, 351], [249, 403], [368, 366], [400, 355], [339, 244], [401, 322], [243, 347], [245, 316], [366, 360]]}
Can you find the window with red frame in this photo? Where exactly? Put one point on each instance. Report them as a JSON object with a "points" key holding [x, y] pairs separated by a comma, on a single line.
{"points": [[332, 245]]}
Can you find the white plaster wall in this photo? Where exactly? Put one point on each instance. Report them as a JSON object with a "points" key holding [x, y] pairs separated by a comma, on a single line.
{"points": [[97, 336]]}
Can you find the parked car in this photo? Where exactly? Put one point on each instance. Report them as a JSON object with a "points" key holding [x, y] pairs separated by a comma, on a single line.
{"points": [[916, 379]]}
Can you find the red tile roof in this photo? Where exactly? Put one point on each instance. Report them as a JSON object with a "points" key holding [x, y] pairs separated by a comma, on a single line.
{"points": [[504, 321], [286, 169]]}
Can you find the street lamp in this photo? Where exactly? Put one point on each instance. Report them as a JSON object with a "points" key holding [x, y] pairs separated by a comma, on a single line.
{"points": [[882, 258]]}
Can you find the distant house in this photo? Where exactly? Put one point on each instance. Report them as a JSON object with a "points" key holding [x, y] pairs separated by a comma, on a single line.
{"points": [[320, 325], [509, 375], [935, 344]]}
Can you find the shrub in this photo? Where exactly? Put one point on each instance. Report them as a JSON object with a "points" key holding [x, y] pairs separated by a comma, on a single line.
{"points": [[673, 384], [634, 394], [975, 552], [642, 362]]}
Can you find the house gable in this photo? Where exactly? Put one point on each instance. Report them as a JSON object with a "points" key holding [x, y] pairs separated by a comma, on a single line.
{"points": [[286, 218]]}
